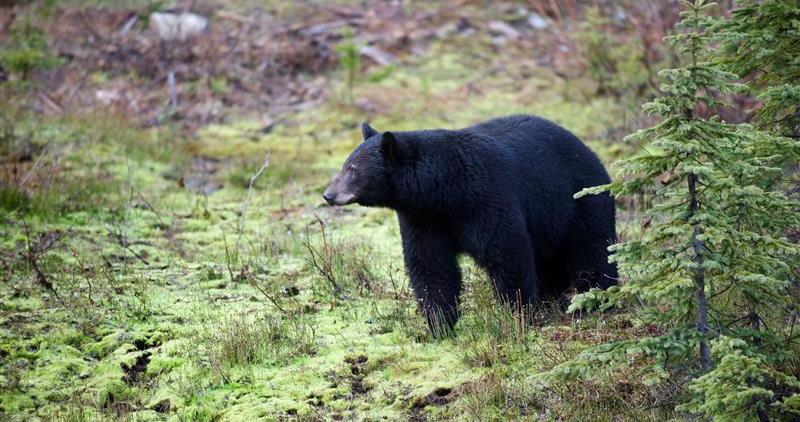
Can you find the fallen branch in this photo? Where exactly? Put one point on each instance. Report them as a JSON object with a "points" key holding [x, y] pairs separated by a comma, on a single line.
{"points": [[35, 251]]}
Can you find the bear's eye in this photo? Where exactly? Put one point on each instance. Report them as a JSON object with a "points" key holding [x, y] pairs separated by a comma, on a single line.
{"points": [[351, 169]]}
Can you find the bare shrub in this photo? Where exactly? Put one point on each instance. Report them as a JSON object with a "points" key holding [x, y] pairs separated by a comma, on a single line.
{"points": [[248, 338], [345, 266]]}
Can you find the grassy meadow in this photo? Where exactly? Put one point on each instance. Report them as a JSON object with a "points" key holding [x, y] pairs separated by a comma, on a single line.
{"points": [[154, 272]]}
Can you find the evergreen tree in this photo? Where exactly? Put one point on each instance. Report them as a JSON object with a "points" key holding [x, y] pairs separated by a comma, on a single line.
{"points": [[762, 40], [715, 263]]}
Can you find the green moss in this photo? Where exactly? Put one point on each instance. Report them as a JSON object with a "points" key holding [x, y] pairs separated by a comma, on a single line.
{"points": [[369, 357]]}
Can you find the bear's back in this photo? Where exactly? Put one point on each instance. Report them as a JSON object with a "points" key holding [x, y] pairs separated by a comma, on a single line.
{"points": [[538, 142], [544, 165]]}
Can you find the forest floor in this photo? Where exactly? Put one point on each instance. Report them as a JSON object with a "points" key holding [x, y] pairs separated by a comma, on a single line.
{"points": [[166, 272]]}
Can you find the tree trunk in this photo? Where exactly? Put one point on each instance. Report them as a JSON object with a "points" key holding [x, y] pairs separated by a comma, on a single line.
{"points": [[699, 279]]}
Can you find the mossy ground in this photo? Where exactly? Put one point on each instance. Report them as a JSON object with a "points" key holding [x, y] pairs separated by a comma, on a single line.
{"points": [[181, 299]]}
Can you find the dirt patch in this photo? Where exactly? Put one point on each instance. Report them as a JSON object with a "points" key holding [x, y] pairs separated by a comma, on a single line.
{"points": [[357, 374], [438, 397], [133, 373], [140, 344], [117, 407], [164, 406]]}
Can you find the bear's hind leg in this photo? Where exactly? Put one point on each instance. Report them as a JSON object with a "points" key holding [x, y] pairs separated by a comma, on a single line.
{"points": [[592, 232], [589, 267], [510, 262], [554, 278]]}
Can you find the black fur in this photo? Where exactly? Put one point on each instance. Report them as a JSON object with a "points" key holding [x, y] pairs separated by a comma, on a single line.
{"points": [[501, 192]]}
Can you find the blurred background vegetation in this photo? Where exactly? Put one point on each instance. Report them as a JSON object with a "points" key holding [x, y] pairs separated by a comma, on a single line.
{"points": [[164, 250]]}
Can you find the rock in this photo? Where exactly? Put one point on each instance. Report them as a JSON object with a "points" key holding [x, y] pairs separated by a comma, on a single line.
{"points": [[536, 21], [106, 96], [619, 15], [504, 29], [171, 26], [377, 55]]}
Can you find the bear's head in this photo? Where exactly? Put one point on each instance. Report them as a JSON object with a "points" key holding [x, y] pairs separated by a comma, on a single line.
{"points": [[364, 178]]}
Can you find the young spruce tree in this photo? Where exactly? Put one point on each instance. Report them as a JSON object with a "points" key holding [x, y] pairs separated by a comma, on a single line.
{"points": [[711, 270], [761, 39]]}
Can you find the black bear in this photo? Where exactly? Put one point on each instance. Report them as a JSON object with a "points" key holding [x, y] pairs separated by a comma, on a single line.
{"points": [[501, 192]]}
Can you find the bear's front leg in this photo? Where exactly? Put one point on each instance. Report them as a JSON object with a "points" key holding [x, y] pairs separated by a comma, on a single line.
{"points": [[431, 259]]}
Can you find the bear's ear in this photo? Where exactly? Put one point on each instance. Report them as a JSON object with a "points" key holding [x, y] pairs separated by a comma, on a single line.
{"points": [[367, 131], [389, 148]]}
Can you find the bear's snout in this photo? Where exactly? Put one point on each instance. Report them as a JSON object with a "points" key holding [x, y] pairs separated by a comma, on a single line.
{"points": [[336, 195], [328, 196]]}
